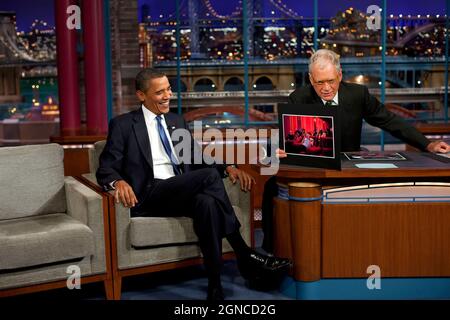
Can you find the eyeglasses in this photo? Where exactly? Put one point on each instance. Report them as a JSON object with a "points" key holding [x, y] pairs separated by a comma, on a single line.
{"points": [[322, 83]]}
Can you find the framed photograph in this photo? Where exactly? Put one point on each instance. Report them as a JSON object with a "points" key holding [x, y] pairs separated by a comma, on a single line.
{"points": [[310, 135]]}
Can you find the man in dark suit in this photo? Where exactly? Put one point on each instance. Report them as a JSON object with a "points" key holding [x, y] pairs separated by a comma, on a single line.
{"points": [[355, 104], [140, 164]]}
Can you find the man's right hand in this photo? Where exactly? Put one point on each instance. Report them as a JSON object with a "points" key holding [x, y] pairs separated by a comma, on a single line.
{"points": [[280, 153], [124, 193]]}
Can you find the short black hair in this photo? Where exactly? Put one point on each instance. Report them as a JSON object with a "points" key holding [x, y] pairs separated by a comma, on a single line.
{"points": [[144, 75]]}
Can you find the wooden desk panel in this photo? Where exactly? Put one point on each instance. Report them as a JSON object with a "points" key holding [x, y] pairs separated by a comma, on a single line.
{"points": [[283, 242], [403, 239]]}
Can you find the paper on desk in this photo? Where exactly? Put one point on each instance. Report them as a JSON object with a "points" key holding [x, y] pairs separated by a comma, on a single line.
{"points": [[445, 155], [375, 165]]}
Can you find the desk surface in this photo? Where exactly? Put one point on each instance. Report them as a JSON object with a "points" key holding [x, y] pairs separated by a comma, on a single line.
{"points": [[434, 128], [417, 165]]}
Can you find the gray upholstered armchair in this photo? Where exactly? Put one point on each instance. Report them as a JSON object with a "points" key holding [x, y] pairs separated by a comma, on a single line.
{"points": [[149, 244], [48, 222]]}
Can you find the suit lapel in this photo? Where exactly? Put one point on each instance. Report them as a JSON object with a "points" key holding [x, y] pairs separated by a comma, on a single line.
{"points": [[343, 96], [171, 125], [344, 110], [141, 132], [315, 98]]}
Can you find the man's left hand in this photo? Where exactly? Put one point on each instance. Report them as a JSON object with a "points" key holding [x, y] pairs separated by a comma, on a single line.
{"points": [[246, 180], [438, 147]]}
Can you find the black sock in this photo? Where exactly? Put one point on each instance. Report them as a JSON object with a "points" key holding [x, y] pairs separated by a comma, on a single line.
{"points": [[214, 280], [238, 244]]}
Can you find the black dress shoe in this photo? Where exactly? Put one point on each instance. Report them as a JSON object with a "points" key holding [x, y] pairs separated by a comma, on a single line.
{"points": [[215, 293], [259, 268]]}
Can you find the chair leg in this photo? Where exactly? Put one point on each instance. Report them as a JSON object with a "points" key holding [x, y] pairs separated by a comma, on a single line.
{"points": [[109, 289], [117, 287]]}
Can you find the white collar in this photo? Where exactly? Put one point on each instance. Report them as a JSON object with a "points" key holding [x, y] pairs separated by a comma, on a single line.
{"points": [[149, 114], [335, 99]]}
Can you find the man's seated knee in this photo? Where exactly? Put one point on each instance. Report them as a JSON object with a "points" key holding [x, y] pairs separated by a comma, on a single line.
{"points": [[211, 175]]}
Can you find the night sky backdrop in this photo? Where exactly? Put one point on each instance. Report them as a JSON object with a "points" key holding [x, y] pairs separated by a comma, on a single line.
{"points": [[28, 10]]}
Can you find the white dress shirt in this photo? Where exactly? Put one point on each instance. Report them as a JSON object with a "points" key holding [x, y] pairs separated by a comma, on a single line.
{"points": [[162, 167], [335, 100]]}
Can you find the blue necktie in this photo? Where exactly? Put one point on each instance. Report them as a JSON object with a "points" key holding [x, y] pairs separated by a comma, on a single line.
{"points": [[166, 144]]}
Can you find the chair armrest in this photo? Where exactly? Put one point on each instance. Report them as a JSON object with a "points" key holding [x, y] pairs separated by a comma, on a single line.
{"points": [[241, 199], [237, 197], [90, 177], [120, 217], [86, 205], [83, 203]]}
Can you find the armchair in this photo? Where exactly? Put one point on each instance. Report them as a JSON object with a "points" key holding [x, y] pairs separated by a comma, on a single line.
{"points": [[48, 222], [148, 244]]}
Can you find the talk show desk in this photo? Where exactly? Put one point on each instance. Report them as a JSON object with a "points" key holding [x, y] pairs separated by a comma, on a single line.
{"points": [[338, 226]]}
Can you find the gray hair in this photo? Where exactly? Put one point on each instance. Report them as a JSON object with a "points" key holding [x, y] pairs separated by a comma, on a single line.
{"points": [[144, 75], [325, 55]]}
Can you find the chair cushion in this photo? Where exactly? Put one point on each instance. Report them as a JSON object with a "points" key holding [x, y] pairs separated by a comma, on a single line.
{"points": [[43, 239], [32, 180], [155, 231]]}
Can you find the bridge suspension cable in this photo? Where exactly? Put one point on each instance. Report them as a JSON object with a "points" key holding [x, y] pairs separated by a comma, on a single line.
{"points": [[237, 11], [284, 9]]}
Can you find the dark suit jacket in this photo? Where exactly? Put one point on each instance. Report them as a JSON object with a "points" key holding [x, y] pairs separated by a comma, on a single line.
{"points": [[356, 104], [127, 153]]}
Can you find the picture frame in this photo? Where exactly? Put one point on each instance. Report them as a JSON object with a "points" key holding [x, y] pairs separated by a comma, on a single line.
{"points": [[310, 135]]}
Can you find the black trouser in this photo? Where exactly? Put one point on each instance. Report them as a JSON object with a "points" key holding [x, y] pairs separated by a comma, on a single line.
{"points": [[200, 195], [270, 191]]}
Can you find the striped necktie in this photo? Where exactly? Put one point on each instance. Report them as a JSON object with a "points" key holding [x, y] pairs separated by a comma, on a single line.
{"points": [[166, 145]]}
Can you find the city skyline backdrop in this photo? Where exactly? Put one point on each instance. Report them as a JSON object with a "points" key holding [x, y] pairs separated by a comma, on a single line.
{"points": [[415, 48], [29, 10]]}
